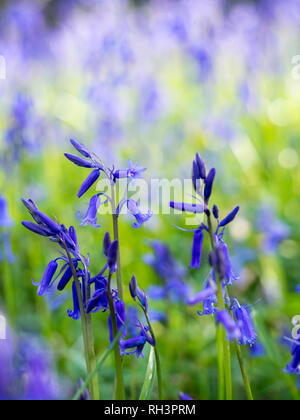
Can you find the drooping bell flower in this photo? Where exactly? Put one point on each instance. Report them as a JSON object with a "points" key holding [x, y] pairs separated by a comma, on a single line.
{"points": [[88, 182], [135, 210], [91, 214], [197, 249], [99, 300], [208, 292], [66, 277], [294, 366], [136, 343], [112, 256], [232, 329], [230, 217], [75, 314], [137, 293], [243, 318], [45, 283], [120, 312], [209, 181]]}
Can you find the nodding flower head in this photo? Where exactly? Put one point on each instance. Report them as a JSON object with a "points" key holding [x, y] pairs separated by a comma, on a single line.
{"points": [[137, 293], [88, 182], [197, 249], [135, 210], [106, 243], [242, 316], [91, 214], [45, 283], [233, 330], [209, 181], [132, 172], [294, 366], [112, 256]]}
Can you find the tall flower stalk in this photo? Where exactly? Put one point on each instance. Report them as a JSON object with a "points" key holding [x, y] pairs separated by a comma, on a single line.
{"points": [[233, 320], [71, 259], [114, 298]]}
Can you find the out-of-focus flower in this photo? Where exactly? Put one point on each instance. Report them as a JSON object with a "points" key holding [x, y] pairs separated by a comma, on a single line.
{"points": [[232, 329], [135, 210], [184, 396], [274, 230], [294, 366], [27, 371]]}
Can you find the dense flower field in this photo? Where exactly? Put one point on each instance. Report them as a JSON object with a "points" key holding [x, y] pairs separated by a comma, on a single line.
{"points": [[149, 200]]}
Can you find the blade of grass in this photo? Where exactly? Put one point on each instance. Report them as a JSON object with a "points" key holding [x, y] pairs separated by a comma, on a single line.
{"points": [[149, 378]]}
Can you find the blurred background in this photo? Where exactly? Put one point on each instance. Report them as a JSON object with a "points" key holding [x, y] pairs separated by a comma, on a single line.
{"points": [[154, 81]]}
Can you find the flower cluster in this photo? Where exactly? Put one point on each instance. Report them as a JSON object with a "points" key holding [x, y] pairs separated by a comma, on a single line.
{"points": [[235, 318], [92, 161], [170, 271]]}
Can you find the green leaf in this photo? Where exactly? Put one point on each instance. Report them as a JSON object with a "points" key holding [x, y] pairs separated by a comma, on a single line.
{"points": [[149, 378]]}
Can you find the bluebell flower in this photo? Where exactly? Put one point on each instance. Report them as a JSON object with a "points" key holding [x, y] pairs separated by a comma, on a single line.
{"points": [[91, 214], [88, 182], [208, 292], [197, 249], [75, 313], [298, 288], [137, 293], [99, 299], [135, 210], [209, 181], [137, 343], [294, 365], [120, 312], [184, 396], [132, 172], [46, 281], [232, 329], [243, 318], [257, 350]]}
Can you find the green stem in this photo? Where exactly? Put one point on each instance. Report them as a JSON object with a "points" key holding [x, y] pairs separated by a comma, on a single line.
{"points": [[157, 358], [220, 340], [244, 372], [119, 385], [116, 237], [224, 357], [88, 340]]}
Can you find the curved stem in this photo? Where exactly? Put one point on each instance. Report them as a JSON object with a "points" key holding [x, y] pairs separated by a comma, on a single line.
{"points": [[119, 391], [244, 372], [88, 341]]}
